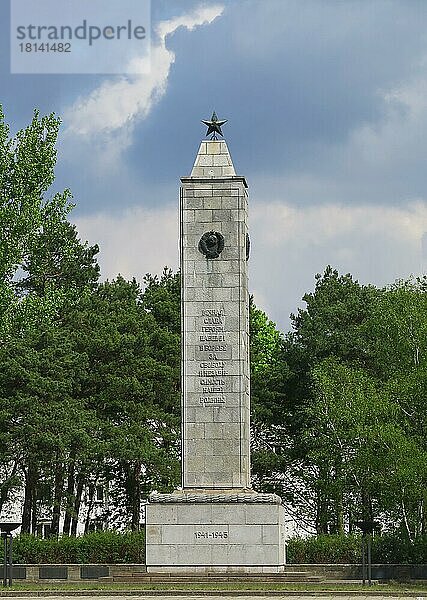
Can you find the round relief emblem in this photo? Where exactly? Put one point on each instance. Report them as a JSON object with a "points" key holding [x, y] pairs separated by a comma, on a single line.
{"points": [[211, 244]]}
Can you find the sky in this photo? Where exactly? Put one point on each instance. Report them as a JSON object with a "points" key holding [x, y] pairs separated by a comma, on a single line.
{"points": [[327, 119]]}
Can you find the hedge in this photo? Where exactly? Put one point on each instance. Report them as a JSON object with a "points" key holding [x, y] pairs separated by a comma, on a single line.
{"points": [[386, 548], [111, 547], [324, 549], [97, 547]]}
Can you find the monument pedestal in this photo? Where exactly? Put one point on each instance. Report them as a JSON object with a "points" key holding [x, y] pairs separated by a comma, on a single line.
{"points": [[201, 532]]}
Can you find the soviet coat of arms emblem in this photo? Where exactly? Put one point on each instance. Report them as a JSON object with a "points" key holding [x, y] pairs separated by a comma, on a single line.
{"points": [[211, 244]]}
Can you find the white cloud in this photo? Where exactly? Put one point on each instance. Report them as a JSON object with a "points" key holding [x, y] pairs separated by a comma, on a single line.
{"points": [[375, 244], [278, 222], [137, 242], [380, 161], [115, 106], [202, 15], [289, 245], [400, 134]]}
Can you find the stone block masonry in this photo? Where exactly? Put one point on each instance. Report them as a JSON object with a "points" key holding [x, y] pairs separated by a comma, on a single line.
{"points": [[215, 325]]}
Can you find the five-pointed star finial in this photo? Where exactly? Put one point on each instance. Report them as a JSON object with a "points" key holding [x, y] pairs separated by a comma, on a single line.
{"points": [[214, 126]]}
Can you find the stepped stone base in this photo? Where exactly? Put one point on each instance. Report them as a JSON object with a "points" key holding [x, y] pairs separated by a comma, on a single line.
{"points": [[202, 537]]}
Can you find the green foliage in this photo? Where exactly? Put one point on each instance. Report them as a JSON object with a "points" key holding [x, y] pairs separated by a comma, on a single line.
{"points": [[32, 224], [90, 378], [346, 549], [357, 448], [268, 369], [395, 548], [334, 322], [324, 549], [97, 547], [162, 299], [357, 430], [269, 374], [132, 386], [44, 268]]}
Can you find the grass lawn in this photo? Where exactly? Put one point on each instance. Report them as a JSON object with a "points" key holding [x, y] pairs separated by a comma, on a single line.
{"points": [[416, 589]]}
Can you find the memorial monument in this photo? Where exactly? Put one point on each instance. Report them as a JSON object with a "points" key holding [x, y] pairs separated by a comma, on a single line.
{"points": [[216, 522]]}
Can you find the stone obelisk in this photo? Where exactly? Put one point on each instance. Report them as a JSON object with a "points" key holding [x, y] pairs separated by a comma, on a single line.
{"points": [[216, 522]]}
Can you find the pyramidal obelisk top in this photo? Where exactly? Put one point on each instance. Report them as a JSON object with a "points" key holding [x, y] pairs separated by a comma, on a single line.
{"points": [[213, 160]]}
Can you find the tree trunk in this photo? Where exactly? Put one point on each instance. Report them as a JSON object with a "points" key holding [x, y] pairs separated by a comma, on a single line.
{"points": [[135, 499], [321, 513], [405, 520], [29, 494], [339, 515], [77, 504], [71, 498], [57, 498], [424, 515], [89, 511], [367, 512], [350, 520], [34, 511]]}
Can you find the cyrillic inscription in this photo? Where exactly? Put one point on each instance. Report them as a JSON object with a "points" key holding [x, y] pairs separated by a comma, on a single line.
{"points": [[212, 400], [212, 374]]}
